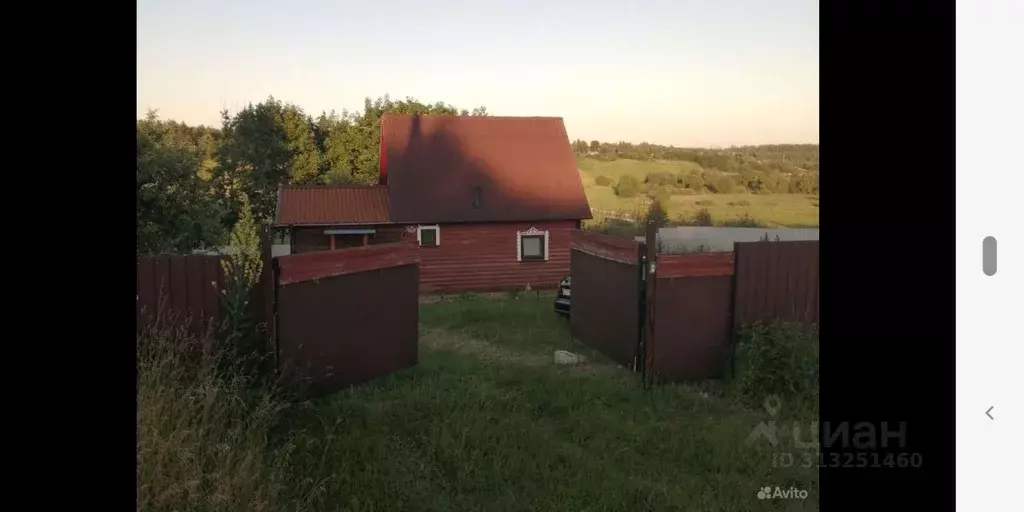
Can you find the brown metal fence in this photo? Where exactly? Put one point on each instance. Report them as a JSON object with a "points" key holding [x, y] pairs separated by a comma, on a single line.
{"points": [[699, 300], [182, 289], [776, 281], [185, 291], [690, 316], [346, 316], [606, 294]]}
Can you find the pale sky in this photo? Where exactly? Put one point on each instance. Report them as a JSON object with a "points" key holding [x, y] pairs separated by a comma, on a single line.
{"points": [[682, 72]]}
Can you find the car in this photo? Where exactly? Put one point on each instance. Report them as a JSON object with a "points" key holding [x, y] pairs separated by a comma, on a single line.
{"points": [[563, 298]]}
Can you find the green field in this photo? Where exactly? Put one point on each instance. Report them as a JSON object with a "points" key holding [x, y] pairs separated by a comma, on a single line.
{"points": [[485, 421], [776, 210]]}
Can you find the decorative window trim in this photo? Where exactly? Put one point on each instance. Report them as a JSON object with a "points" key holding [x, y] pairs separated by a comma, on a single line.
{"points": [[437, 235], [531, 232]]}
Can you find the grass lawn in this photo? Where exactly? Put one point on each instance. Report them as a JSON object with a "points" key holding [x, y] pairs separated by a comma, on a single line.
{"points": [[488, 422], [485, 422]]}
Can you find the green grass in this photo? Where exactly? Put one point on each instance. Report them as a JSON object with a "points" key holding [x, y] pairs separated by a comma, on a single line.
{"points": [[486, 421], [774, 210]]}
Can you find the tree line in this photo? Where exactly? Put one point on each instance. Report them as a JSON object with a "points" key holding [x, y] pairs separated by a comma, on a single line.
{"points": [[190, 178], [785, 158], [661, 185]]}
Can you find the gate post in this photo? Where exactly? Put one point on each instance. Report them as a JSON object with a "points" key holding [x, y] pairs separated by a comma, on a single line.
{"points": [[640, 359], [648, 267]]}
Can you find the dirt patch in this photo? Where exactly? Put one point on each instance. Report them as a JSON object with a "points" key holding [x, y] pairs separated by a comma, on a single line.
{"points": [[463, 344], [539, 294]]}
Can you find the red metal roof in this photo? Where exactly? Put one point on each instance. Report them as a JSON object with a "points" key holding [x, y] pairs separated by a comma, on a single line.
{"points": [[333, 205], [480, 169]]}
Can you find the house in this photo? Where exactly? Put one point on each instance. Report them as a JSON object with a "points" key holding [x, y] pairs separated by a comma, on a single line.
{"points": [[490, 201]]}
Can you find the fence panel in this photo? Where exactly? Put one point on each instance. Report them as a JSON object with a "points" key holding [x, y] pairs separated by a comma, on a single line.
{"points": [[186, 287], [349, 315], [776, 281], [692, 323], [606, 291]]}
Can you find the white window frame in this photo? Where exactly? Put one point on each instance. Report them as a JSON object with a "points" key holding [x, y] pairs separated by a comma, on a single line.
{"points": [[437, 236], [531, 232]]}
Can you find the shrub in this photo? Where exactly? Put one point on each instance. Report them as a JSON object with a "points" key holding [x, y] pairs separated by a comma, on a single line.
{"points": [[603, 181], [725, 185], [777, 360], [741, 202], [661, 195], [656, 215], [745, 221], [627, 187], [659, 178], [705, 202], [702, 217]]}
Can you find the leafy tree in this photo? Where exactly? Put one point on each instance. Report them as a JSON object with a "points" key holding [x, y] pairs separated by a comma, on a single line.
{"points": [[603, 181], [627, 187], [595, 145], [175, 210], [257, 155], [756, 182]]}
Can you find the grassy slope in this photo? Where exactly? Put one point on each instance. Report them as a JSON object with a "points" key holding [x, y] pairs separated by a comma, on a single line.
{"points": [[485, 422], [791, 210]]}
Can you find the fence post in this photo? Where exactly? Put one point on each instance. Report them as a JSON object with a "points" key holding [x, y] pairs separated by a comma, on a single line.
{"points": [[649, 266]]}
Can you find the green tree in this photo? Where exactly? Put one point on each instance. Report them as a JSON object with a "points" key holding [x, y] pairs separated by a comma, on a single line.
{"points": [[595, 145], [257, 156], [175, 210]]}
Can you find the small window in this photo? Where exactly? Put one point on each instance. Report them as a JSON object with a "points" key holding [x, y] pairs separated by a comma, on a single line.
{"points": [[428, 236], [532, 245]]}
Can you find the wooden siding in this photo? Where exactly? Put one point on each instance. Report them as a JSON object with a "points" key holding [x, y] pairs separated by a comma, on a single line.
{"points": [[482, 258], [471, 257]]}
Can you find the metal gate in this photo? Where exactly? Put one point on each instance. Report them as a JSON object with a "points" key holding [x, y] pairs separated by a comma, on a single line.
{"points": [[346, 316]]}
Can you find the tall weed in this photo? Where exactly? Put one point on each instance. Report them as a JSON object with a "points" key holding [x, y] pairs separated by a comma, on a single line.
{"points": [[778, 360]]}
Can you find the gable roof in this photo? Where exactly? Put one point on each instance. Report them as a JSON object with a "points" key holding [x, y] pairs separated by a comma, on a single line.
{"points": [[479, 169], [332, 205]]}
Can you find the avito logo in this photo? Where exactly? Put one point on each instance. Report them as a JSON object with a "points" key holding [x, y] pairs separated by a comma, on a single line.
{"points": [[767, 493]]}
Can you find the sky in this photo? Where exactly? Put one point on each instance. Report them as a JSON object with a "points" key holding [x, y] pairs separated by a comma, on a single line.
{"points": [[693, 73]]}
